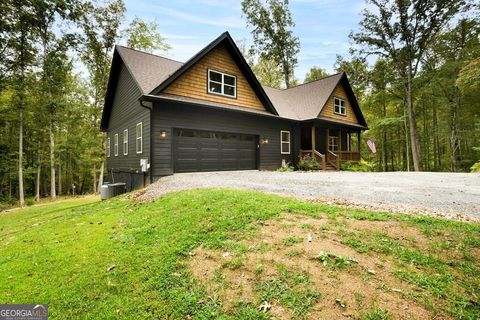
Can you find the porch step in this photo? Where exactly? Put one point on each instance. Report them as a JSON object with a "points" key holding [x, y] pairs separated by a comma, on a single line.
{"points": [[329, 167]]}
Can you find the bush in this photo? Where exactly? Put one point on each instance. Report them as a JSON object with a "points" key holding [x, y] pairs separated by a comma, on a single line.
{"points": [[475, 167], [286, 169], [308, 163], [361, 166], [29, 201]]}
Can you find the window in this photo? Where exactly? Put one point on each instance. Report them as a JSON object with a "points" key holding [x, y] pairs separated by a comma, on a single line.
{"points": [[108, 147], [285, 142], [115, 144], [222, 84], [339, 106], [139, 138], [125, 142], [333, 143]]}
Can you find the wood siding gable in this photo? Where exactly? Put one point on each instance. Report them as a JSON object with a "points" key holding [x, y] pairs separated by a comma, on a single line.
{"points": [[328, 108], [193, 83]]}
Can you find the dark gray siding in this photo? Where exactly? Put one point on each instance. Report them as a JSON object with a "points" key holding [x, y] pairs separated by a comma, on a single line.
{"points": [[169, 115], [126, 113]]}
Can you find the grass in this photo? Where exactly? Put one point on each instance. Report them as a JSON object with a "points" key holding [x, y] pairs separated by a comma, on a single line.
{"points": [[122, 259]]}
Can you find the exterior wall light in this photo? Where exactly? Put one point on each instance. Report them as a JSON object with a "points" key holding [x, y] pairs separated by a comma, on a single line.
{"points": [[163, 134], [264, 141]]}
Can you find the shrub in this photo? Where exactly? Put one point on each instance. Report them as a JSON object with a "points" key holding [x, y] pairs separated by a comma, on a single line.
{"points": [[308, 163], [286, 169], [361, 166], [475, 167]]}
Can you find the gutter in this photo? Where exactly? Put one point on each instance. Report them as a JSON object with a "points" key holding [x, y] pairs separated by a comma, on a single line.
{"points": [[150, 108]]}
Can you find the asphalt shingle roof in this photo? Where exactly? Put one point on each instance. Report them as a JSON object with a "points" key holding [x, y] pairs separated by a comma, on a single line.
{"points": [[302, 102]]}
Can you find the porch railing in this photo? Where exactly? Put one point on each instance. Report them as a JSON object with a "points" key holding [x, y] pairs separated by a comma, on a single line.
{"points": [[333, 159], [349, 156], [316, 155]]}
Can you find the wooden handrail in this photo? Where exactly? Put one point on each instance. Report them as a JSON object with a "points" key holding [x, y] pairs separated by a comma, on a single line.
{"points": [[316, 154], [332, 153]]}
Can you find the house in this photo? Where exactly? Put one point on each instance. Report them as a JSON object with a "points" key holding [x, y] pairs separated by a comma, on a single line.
{"points": [[211, 113]]}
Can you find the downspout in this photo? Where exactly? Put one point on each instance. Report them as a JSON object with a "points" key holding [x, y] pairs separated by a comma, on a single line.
{"points": [[150, 108]]}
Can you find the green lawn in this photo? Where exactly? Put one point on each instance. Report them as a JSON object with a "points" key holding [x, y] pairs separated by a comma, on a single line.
{"points": [[121, 259]]}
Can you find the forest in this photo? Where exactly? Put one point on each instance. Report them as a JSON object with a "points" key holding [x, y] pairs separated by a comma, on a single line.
{"points": [[414, 66]]}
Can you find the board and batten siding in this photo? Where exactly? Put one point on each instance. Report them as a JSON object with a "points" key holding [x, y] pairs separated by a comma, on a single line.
{"points": [[167, 116], [328, 109], [126, 113], [193, 83]]}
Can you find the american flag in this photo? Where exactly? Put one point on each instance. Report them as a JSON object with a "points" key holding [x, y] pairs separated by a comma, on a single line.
{"points": [[371, 145]]}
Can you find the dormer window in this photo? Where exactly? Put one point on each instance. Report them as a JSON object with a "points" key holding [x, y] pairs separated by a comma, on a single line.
{"points": [[339, 106], [222, 84]]}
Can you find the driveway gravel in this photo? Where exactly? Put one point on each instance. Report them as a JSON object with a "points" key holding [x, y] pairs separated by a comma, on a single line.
{"points": [[450, 195]]}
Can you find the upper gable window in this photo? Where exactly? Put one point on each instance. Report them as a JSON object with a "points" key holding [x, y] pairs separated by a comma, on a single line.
{"points": [[222, 84], [339, 106]]}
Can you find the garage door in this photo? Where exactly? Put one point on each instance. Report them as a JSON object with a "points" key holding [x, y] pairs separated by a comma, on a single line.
{"points": [[195, 150]]}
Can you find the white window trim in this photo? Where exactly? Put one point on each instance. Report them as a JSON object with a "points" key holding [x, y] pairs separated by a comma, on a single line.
{"points": [[284, 142], [222, 84], [115, 145], [137, 138], [336, 143], [125, 142], [108, 147], [339, 106]]}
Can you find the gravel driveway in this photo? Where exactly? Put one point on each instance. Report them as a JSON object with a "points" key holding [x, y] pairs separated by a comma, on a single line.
{"points": [[452, 195]]}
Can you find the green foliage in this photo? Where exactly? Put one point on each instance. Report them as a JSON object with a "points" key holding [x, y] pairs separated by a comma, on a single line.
{"points": [[268, 72], [334, 261], [308, 163], [273, 39], [286, 169], [145, 36], [315, 73], [361, 166], [475, 167]]}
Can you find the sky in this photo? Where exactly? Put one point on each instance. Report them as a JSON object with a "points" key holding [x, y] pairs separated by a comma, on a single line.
{"points": [[323, 26]]}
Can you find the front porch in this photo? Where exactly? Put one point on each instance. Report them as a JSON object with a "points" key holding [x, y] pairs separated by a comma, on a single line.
{"points": [[330, 145]]}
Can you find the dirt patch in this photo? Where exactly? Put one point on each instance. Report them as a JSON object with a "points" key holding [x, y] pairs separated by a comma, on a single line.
{"points": [[308, 253]]}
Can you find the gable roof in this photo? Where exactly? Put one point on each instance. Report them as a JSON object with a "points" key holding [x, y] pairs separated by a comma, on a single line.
{"points": [[153, 73], [306, 101], [147, 69], [226, 40]]}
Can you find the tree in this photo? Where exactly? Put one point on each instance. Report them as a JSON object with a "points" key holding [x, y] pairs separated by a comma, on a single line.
{"points": [[403, 31], [268, 72], [145, 36], [273, 39], [357, 71], [315, 73], [101, 26], [456, 47], [22, 50]]}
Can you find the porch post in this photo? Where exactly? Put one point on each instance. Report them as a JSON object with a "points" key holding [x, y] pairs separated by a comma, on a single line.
{"points": [[313, 140], [358, 144]]}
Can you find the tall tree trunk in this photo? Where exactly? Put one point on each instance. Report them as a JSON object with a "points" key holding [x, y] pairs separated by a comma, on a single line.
{"points": [[286, 74], [454, 145], [407, 152], [414, 141], [100, 177], [39, 171], [384, 140], [436, 145], [59, 178], [52, 163], [94, 178], [21, 194]]}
